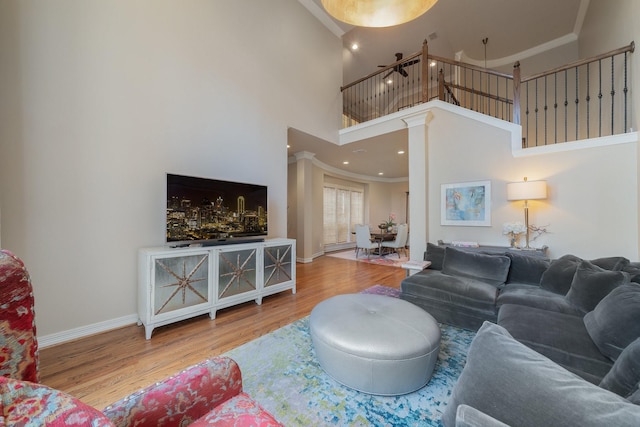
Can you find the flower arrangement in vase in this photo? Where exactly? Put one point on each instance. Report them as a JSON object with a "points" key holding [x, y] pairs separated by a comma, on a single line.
{"points": [[514, 230], [388, 225]]}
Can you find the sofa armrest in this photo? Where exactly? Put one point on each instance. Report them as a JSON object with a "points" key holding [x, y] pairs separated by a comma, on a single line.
{"points": [[180, 399], [468, 416]]}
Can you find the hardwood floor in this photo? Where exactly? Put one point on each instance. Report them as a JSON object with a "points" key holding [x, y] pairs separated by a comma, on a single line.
{"points": [[106, 367]]}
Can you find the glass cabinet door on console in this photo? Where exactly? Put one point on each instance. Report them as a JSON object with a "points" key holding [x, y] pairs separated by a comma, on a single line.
{"points": [[237, 272], [173, 285], [278, 265], [180, 282]]}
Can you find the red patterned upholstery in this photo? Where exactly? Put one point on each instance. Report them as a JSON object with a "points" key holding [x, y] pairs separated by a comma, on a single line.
{"points": [[18, 342], [206, 394], [24, 403]]}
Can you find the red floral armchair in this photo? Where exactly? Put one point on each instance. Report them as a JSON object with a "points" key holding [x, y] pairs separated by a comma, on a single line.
{"points": [[18, 342], [206, 394]]}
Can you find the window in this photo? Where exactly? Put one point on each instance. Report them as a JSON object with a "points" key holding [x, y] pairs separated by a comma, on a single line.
{"points": [[343, 209]]}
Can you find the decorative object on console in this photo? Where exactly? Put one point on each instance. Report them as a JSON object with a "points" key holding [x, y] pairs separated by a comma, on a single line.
{"points": [[514, 230], [384, 13], [527, 190], [466, 203]]}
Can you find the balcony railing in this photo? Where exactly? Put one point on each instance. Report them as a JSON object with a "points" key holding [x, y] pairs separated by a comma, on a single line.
{"points": [[584, 99]]}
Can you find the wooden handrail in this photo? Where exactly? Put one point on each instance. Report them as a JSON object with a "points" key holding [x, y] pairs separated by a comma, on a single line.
{"points": [[381, 70], [629, 48]]}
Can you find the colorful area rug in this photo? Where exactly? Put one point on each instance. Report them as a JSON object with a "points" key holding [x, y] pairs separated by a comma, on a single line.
{"points": [[391, 260], [281, 372]]}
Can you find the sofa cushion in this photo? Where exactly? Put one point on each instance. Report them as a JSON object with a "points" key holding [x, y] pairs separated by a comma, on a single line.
{"points": [[435, 254], [526, 269], [461, 291], [520, 387], [591, 283], [535, 296], [561, 337], [613, 263], [24, 403], [615, 322], [624, 376], [491, 269], [558, 277], [633, 270]]}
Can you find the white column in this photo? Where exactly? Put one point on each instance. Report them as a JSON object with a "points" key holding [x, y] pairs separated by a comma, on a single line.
{"points": [[418, 174], [304, 209]]}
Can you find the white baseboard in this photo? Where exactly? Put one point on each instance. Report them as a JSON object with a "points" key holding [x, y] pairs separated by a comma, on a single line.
{"points": [[85, 331]]}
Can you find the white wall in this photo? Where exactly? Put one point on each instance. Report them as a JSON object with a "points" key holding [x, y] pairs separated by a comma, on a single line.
{"points": [[101, 98], [591, 208]]}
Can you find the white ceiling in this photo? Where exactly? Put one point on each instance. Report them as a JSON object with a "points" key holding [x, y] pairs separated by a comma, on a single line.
{"points": [[515, 29]]}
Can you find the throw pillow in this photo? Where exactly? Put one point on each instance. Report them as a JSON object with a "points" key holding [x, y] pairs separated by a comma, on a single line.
{"points": [[26, 403], [624, 376], [520, 387], [614, 263], [591, 283], [491, 269], [615, 322], [558, 277], [435, 254], [526, 269], [633, 269]]}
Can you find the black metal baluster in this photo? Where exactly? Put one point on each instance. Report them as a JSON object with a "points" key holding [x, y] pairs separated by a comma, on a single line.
{"points": [[613, 93], [600, 97], [577, 100], [566, 106], [526, 114], [555, 108], [588, 99], [536, 111], [545, 110], [625, 90]]}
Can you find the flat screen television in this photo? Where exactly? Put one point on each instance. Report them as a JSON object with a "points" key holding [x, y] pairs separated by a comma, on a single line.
{"points": [[212, 211]]}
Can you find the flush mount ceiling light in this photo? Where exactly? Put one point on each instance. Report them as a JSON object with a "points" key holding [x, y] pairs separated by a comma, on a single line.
{"points": [[376, 13]]}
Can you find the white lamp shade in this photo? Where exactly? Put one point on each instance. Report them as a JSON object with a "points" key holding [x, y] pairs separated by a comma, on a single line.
{"points": [[527, 190], [376, 13]]}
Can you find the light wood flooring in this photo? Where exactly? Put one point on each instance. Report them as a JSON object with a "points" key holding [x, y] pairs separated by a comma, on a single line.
{"points": [[103, 368]]}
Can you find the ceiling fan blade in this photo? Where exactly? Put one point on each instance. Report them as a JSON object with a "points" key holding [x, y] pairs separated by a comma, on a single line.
{"points": [[403, 72], [408, 63]]}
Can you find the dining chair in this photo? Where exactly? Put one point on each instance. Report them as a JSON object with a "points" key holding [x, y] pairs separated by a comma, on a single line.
{"points": [[363, 240], [400, 242]]}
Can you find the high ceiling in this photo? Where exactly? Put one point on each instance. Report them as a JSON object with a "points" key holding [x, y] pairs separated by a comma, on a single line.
{"points": [[514, 29]]}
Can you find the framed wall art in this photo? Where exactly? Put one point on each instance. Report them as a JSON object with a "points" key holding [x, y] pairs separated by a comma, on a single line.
{"points": [[466, 204]]}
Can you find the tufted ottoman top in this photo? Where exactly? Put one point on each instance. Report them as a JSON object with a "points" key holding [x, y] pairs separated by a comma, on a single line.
{"points": [[373, 343]]}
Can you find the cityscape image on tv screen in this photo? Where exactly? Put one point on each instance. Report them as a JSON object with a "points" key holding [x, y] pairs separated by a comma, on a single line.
{"points": [[207, 209]]}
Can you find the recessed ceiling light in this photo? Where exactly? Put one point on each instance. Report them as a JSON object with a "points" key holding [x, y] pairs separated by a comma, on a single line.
{"points": [[380, 173], [354, 46], [432, 64], [345, 162], [288, 146], [389, 81], [401, 152]]}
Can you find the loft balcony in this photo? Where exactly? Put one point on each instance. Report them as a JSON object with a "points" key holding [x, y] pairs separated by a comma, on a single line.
{"points": [[585, 99]]}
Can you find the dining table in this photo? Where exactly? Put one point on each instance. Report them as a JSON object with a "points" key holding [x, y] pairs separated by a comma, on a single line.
{"points": [[378, 238]]}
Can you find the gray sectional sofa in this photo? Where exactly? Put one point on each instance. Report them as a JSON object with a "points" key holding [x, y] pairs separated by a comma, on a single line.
{"points": [[558, 339]]}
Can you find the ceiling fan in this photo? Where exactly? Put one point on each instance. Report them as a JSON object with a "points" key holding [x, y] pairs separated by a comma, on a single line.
{"points": [[400, 67]]}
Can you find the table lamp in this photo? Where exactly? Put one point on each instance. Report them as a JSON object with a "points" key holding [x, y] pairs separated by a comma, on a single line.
{"points": [[527, 190]]}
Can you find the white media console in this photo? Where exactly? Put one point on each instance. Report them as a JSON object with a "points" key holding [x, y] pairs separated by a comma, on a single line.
{"points": [[178, 283]]}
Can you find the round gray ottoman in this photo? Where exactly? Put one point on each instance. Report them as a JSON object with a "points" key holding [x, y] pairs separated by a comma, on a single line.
{"points": [[375, 344]]}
